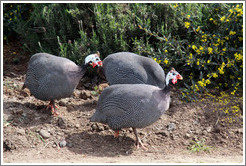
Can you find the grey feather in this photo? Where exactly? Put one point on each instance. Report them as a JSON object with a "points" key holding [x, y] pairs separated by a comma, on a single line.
{"points": [[130, 68], [51, 77], [131, 105]]}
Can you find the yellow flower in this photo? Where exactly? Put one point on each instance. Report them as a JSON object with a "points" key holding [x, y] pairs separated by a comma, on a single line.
{"points": [[176, 5], [211, 19], [165, 61], [201, 48], [210, 50], [194, 47], [222, 18], [197, 63], [232, 33], [227, 20], [198, 29], [187, 25], [240, 38], [188, 16], [238, 56], [166, 51], [200, 83], [214, 75], [208, 61], [227, 38], [207, 81]]}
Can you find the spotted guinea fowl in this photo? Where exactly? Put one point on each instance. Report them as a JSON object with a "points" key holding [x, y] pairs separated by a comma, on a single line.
{"points": [[130, 68], [51, 77], [133, 105]]}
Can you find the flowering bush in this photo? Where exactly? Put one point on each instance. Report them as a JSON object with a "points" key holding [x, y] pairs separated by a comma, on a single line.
{"points": [[210, 54], [13, 13]]}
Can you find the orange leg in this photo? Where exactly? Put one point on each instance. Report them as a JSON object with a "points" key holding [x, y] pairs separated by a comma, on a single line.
{"points": [[116, 134], [53, 108]]}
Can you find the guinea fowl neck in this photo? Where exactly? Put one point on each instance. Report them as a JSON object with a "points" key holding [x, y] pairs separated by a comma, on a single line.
{"points": [[83, 69]]}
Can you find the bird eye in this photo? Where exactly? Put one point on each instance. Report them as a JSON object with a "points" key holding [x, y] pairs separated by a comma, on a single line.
{"points": [[97, 59], [173, 74], [90, 61]]}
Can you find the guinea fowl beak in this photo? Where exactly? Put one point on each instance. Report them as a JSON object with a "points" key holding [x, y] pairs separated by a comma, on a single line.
{"points": [[179, 77], [100, 63]]}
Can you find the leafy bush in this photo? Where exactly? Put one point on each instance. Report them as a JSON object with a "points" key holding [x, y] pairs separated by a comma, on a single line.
{"points": [[204, 42], [13, 13], [210, 52]]}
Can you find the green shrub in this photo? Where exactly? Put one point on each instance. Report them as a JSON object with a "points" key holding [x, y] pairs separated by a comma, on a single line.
{"points": [[13, 15], [204, 42], [210, 52]]}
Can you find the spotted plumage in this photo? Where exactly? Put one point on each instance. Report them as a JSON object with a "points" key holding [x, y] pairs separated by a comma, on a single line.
{"points": [[133, 105], [51, 77], [130, 68]]}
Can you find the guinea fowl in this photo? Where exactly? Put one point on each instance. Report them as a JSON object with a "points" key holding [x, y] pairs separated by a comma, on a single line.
{"points": [[51, 77], [133, 105], [130, 68]]}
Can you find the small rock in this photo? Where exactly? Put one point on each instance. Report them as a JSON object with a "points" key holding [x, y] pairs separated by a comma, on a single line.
{"points": [[77, 126], [62, 123], [85, 95], [45, 134], [209, 129], [100, 128], [62, 103], [54, 145], [63, 143], [163, 133], [187, 135], [171, 127], [94, 127]]}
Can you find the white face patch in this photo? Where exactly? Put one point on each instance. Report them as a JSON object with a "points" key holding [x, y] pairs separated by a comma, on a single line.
{"points": [[93, 59], [172, 75]]}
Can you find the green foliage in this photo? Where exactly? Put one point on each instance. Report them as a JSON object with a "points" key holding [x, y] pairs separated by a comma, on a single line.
{"points": [[203, 42], [197, 146], [13, 15], [210, 52]]}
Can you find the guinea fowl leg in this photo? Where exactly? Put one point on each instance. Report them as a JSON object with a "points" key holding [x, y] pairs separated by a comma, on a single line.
{"points": [[53, 108], [139, 142], [116, 134]]}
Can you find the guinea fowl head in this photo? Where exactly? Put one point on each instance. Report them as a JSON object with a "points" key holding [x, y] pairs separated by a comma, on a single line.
{"points": [[93, 60], [174, 76]]}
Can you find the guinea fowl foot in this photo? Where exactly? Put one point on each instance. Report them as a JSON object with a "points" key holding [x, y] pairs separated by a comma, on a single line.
{"points": [[53, 107], [139, 143]]}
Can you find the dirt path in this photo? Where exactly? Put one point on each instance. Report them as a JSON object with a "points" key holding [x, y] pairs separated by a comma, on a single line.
{"points": [[64, 155]]}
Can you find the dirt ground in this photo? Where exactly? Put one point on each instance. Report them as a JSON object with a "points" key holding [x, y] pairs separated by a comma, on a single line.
{"points": [[32, 135]]}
